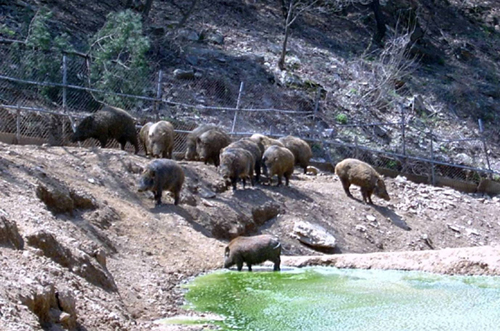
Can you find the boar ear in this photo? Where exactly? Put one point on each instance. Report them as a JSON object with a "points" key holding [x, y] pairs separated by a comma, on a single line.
{"points": [[198, 139], [227, 251]]}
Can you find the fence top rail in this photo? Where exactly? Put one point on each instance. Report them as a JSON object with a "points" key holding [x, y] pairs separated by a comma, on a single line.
{"points": [[369, 124], [416, 158]]}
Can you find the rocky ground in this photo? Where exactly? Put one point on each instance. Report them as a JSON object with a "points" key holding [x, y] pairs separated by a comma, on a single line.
{"points": [[81, 249]]}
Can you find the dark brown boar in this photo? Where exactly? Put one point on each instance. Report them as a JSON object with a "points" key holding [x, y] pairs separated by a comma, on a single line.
{"points": [[191, 153], [236, 163], [209, 145], [160, 175], [278, 161], [253, 148], [353, 171], [108, 123], [264, 141], [253, 250], [143, 136], [161, 139], [300, 149]]}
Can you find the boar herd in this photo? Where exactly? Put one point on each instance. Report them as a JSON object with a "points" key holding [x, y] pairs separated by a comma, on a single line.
{"points": [[243, 160]]}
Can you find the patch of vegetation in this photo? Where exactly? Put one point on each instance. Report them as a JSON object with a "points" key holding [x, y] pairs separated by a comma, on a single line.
{"points": [[42, 58], [341, 118], [118, 53]]}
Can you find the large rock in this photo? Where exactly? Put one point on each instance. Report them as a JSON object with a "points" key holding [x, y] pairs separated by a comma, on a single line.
{"points": [[9, 235], [60, 199], [313, 235], [78, 262], [51, 306], [265, 212]]}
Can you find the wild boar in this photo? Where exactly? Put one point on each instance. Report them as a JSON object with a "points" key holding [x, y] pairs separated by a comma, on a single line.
{"points": [[264, 142], [160, 175], [108, 123], [300, 149], [253, 250], [191, 153], [236, 163], [143, 136], [353, 171], [278, 161], [209, 145], [161, 139], [253, 148]]}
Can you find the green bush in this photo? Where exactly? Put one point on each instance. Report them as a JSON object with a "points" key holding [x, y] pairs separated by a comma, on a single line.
{"points": [[341, 118], [118, 53], [43, 55]]}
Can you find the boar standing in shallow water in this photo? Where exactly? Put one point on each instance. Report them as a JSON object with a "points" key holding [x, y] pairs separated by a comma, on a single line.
{"points": [[191, 153], [278, 161], [209, 145], [353, 171], [143, 136], [161, 139], [108, 123], [300, 149], [162, 174], [236, 163], [253, 250]]}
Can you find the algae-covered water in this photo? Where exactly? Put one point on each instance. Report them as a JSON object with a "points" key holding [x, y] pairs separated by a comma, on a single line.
{"points": [[323, 299]]}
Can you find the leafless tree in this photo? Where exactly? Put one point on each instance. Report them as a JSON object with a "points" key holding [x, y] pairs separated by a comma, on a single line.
{"points": [[293, 11]]}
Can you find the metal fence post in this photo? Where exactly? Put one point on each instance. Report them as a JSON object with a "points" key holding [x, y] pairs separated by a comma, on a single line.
{"points": [[481, 131], [18, 125], [65, 102], [158, 95], [433, 171], [356, 150], [237, 107]]}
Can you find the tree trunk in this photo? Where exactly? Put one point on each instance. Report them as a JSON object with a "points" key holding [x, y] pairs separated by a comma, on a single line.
{"points": [[187, 14], [147, 8], [379, 18], [281, 62]]}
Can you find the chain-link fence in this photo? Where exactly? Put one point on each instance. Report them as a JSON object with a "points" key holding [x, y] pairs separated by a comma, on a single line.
{"points": [[43, 96]]}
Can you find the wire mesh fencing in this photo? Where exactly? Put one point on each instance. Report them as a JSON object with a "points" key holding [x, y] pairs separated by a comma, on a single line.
{"points": [[44, 96]]}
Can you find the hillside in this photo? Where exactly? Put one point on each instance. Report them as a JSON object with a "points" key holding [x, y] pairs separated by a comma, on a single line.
{"points": [[120, 260], [439, 65]]}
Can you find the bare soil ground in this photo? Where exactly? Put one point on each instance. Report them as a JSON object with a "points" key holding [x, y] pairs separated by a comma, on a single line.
{"points": [[121, 259]]}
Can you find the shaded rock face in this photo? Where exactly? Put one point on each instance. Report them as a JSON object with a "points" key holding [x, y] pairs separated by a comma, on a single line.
{"points": [[60, 199], [9, 234], [51, 306], [78, 262], [265, 212], [313, 235]]}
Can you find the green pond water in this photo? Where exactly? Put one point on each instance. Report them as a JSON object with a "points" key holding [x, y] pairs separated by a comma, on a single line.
{"points": [[322, 298]]}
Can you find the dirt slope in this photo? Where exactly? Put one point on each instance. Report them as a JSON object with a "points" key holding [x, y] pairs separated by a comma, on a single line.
{"points": [[121, 260]]}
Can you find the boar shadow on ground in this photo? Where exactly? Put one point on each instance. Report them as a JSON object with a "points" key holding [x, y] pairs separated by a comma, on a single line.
{"points": [[395, 218], [289, 192], [170, 209]]}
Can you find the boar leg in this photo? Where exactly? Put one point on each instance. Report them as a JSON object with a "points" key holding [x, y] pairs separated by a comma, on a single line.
{"points": [[287, 179], [239, 264], [103, 142], [346, 185], [244, 179], [176, 198], [234, 180], [277, 262], [366, 195], [123, 142], [249, 267], [280, 182], [252, 180], [158, 197]]}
